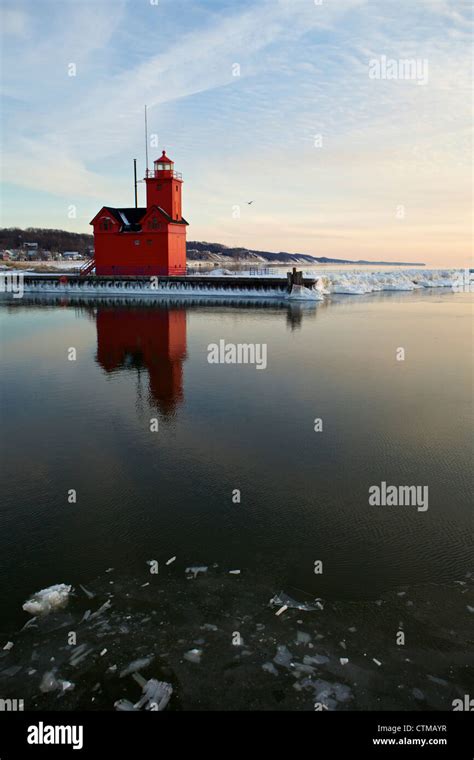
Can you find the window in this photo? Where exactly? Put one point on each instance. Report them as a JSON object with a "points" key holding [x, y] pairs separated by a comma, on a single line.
{"points": [[105, 224], [149, 242], [137, 242], [154, 224]]}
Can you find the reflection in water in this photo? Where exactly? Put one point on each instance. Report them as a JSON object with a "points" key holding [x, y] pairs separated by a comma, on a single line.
{"points": [[150, 339]]}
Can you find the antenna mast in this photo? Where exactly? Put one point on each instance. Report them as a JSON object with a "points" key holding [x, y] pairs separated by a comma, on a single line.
{"points": [[146, 143], [135, 180]]}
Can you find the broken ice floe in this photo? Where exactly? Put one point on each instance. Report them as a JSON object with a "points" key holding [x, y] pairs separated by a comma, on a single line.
{"points": [[9, 645], [49, 682], [88, 593], [48, 599], [156, 695], [286, 601], [194, 655], [136, 665], [194, 571], [270, 668], [283, 656]]}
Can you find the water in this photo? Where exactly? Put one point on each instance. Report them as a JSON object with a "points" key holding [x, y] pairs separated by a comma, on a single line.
{"points": [[141, 495]]}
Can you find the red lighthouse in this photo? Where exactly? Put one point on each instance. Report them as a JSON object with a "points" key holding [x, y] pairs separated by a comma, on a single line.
{"points": [[144, 241]]}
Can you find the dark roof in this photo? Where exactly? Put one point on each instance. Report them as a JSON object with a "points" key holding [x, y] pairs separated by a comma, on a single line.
{"points": [[130, 218]]}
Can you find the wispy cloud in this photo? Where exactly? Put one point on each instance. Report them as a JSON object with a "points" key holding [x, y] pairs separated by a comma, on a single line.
{"points": [[303, 72]]}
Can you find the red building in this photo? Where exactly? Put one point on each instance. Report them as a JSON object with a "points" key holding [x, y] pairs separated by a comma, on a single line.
{"points": [[144, 241]]}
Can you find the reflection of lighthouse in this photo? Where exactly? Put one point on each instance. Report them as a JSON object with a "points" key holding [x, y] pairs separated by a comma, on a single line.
{"points": [[142, 338]]}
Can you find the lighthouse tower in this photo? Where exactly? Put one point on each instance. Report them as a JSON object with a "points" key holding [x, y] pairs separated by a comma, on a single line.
{"points": [[144, 241], [163, 187]]}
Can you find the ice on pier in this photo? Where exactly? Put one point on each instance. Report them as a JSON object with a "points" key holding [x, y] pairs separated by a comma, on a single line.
{"points": [[302, 293], [48, 599]]}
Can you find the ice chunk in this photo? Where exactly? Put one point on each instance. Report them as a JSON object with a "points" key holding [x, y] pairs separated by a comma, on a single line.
{"points": [[136, 665], [270, 668], [194, 655], [302, 637], [343, 660], [283, 656], [283, 599], [377, 662], [418, 694], [282, 610], [234, 572], [156, 695], [49, 683], [194, 571], [124, 705], [209, 627], [9, 645], [317, 659], [106, 606], [48, 599], [87, 592], [168, 562]]}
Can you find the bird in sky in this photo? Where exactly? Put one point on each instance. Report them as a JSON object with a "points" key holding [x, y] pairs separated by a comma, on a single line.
{"points": [[249, 203]]}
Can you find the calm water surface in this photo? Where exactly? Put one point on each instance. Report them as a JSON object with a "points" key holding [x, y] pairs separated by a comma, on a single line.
{"points": [[85, 425]]}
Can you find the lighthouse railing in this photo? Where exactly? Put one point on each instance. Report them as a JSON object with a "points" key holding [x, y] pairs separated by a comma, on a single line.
{"points": [[152, 174]]}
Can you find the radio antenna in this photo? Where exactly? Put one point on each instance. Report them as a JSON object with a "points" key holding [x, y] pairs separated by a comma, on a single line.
{"points": [[146, 143]]}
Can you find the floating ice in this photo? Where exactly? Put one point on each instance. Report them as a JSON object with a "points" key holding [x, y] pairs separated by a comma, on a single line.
{"points": [[87, 592], [283, 599], [194, 571], [302, 637], [194, 655], [49, 682], [377, 662], [270, 668], [343, 660], [234, 572], [48, 599], [156, 695], [282, 610], [136, 665], [170, 560], [283, 656], [317, 659], [9, 645], [106, 606]]}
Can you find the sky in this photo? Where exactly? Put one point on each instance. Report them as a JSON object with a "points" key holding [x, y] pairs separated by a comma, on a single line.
{"points": [[305, 107]]}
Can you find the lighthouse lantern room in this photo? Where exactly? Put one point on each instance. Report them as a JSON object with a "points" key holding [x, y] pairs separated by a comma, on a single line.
{"points": [[144, 241]]}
